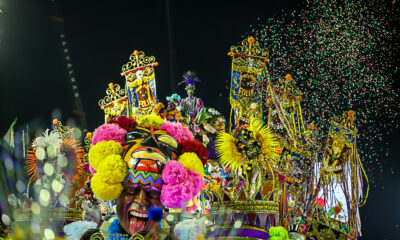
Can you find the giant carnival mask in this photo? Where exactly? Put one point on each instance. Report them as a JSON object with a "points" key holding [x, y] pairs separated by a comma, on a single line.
{"points": [[135, 165]]}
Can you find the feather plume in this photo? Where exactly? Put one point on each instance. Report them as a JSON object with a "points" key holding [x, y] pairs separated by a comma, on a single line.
{"points": [[266, 139], [75, 230], [190, 78], [228, 153], [48, 139], [69, 147]]}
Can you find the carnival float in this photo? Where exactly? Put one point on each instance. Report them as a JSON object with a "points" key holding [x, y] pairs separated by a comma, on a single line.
{"points": [[179, 169]]}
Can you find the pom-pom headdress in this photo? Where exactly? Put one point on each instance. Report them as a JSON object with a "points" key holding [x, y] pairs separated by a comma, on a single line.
{"points": [[182, 178]]}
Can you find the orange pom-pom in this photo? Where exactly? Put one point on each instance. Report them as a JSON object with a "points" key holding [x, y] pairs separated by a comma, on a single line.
{"points": [[337, 209], [55, 121], [288, 77], [251, 40], [89, 135], [136, 52], [350, 113]]}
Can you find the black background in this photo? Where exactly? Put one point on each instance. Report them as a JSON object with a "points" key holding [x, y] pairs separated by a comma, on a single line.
{"points": [[101, 35]]}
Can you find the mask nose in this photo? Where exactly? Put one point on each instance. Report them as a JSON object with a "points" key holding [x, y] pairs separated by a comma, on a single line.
{"points": [[141, 199], [150, 142]]}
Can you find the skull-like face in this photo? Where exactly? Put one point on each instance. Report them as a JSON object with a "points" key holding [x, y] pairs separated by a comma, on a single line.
{"points": [[147, 149], [190, 90]]}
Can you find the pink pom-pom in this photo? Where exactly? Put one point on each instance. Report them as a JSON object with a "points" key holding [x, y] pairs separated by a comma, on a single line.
{"points": [[178, 193], [176, 196], [177, 131], [174, 173], [196, 181], [107, 132]]}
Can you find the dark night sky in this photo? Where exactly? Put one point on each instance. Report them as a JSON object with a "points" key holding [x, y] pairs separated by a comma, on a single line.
{"points": [[102, 34]]}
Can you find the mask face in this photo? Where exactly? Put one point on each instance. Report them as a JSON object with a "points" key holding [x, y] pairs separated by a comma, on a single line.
{"points": [[150, 144], [218, 124], [133, 205], [146, 151]]}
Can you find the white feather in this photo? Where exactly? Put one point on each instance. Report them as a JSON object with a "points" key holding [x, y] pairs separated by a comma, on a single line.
{"points": [[74, 231], [48, 139]]}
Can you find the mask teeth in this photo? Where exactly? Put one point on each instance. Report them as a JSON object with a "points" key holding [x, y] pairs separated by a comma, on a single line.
{"points": [[134, 206]]}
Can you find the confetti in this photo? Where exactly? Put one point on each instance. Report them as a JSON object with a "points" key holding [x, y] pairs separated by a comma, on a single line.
{"points": [[342, 54]]}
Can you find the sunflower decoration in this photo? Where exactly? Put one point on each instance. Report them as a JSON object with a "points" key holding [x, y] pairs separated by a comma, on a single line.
{"points": [[253, 145], [55, 159]]}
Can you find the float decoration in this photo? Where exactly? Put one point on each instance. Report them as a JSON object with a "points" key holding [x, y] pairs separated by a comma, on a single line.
{"points": [[140, 83]]}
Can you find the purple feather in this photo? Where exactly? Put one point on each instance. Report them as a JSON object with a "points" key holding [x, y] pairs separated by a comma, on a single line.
{"points": [[190, 78]]}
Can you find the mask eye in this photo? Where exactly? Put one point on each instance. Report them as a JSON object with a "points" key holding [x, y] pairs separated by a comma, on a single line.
{"points": [[154, 194], [168, 140], [134, 135], [132, 189]]}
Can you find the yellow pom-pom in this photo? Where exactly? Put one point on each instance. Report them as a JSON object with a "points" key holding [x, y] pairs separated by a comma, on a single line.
{"points": [[112, 169], [151, 120], [103, 190], [192, 162], [101, 150]]}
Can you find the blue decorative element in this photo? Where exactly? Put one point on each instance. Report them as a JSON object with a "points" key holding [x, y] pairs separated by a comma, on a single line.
{"points": [[155, 214], [174, 97], [236, 85], [115, 228]]}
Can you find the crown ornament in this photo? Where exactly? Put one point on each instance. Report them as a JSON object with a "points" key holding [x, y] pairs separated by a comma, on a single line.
{"points": [[265, 199], [249, 47], [138, 59], [115, 103]]}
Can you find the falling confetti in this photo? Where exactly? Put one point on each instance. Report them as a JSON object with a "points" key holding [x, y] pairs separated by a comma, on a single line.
{"points": [[342, 54]]}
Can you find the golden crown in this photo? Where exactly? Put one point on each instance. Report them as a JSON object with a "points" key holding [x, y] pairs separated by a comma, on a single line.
{"points": [[249, 47], [115, 103], [137, 60]]}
